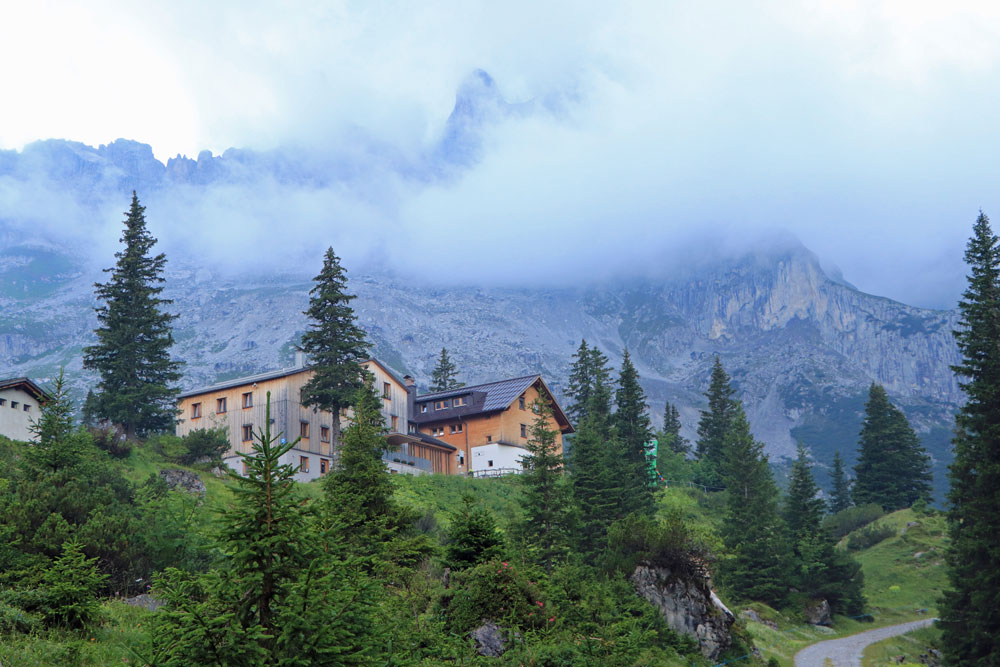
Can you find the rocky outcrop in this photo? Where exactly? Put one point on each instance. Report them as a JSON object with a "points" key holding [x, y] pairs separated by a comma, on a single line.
{"points": [[183, 480], [492, 641], [689, 606], [818, 612]]}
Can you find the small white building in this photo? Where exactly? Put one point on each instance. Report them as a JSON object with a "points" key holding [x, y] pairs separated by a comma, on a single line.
{"points": [[20, 401]]}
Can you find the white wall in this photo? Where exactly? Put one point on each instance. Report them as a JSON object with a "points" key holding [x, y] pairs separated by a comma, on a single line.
{"points": [[15, 423], [292, 457], [502, 456]]}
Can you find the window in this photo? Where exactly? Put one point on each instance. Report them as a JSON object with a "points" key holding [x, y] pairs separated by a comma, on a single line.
{"points": [[304, 431], [520, 402], [423, 407], [27, 408], [524, 431], [220, 405], [490, 463], [439, 430], [248, 399], [441, 405], [324, 466], [14, 404], [3, 401], [459, 402], [489, 438], [303, 464], [324, 433], [394, 423], [195, 410], [461, 459], [386, 390], [456, 428], [247, 432]]}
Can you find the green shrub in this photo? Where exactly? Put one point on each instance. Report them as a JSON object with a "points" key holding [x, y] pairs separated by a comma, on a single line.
{"points": [[203, 443], [111, 439], [15, 619], [849, 520], [666, 543], [869, 536], [494, 591]]}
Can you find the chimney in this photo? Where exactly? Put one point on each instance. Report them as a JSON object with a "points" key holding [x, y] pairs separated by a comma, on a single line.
{"points": [[300, 359], [411, 395]]}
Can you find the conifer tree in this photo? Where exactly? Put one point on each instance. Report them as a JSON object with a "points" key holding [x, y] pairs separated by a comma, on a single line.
{"points": [[633, 431], [803, 510], [56, 445], [473, 536], [714, 425], [445, 374], [334, 342], [670, 436], [969, 628], [548, 527], [752, 530], [136, 387], [580, 383], [840, 496], [892, 470]]}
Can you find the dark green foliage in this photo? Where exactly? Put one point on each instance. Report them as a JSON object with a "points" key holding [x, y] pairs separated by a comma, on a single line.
{"points": [[111, 439], [846, 521], [633, 431], [969, 632], [56, 445], [445, 374], [840, 496], [869, 536], [549, 518], [579, 385], [473, 537], [334, 342], [892, 470], [715, 425], [69, 589], [803, 509], [134, 338], [494, 591], [665, 543], [756, 567], [204, 443], [670, 437]]}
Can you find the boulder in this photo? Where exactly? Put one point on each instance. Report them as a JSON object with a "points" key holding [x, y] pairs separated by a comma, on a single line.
{"points": [[818, 612], [491, 640], [689, 606], [183, 479]]}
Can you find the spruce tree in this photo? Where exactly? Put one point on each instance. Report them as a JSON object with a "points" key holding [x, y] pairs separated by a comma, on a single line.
{"points": [[334, 342], [132, 354], [840, 496], [57, 446], [892, 470], [670, 436], [969, 628], [580, 383], [752, 530], [714, 425], [473, 536], [548, 523], [445, 374], [633, 431]]}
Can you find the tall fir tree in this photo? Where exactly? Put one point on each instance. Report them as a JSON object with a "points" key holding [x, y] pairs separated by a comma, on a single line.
{"points": [[334, 342], [580, 383], [633, 432], [893, 470], [840, 495], [56, 445], [548, 525], [670, 436], [818, 569], [969, 632], [445, 374], [714, 426], [752, 530], [137, 387]]}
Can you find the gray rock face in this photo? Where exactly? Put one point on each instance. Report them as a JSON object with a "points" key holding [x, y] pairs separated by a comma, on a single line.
{"points": [[490, 640], [183, 480], [688, 605], [817, 612]]}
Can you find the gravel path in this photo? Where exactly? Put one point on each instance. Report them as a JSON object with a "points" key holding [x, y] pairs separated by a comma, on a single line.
{"points": [[846, 651]]}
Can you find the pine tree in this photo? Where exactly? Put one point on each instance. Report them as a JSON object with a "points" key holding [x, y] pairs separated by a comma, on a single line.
{"points": [[548, 523], [752, 530], [135, 389], [633, 431], [840, 496], [892, 470], [969, 633], [714, 426], [334, 342], [670, 436], [69, 589], [56, 445], [580, 384], [803, 510], [473, 537], [445, 374]]}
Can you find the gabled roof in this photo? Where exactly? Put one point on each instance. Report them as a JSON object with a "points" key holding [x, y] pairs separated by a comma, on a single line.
{"points": [[249, 379], [28, 386], [388, 371]]}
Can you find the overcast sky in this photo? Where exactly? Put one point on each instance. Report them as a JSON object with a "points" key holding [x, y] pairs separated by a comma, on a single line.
{"points": [[868, 129]]}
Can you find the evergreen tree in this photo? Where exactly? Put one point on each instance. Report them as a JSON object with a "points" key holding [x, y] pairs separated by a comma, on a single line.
{"points": [[56, 445], [633, 431], [840, 496], [803, 510], [334, 342], [969, 630], [580, 384], [473, 537], [69, 589], [892, 470], [135, 389], [714, 425], [445, 374], [752, 530], [670, 436], [548, 527]]}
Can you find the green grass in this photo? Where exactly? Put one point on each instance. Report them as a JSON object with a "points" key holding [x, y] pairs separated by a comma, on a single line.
{"points": [[442, 495], [911, 646]]}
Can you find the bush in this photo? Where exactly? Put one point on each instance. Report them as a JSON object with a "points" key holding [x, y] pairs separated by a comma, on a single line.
{"points": [[849, 520], [203, 443], [668, 543], [111, 439], [494, 591], [869, 536], [15, 619]]}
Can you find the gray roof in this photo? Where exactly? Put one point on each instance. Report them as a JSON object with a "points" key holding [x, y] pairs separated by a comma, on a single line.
{"points": [[499, 394], [28, 386], [249, 379]]}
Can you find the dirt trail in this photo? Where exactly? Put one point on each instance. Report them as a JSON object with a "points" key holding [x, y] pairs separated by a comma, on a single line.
{"points": [[846, 651]]}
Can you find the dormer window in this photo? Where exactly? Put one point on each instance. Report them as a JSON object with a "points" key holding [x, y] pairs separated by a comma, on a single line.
{"points": [[458, 402], [441, 405], [423, 407]]}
